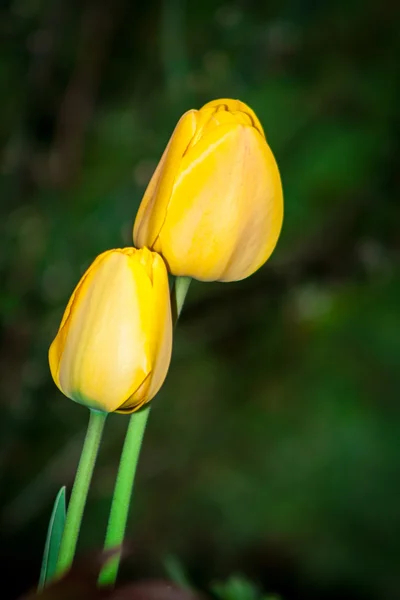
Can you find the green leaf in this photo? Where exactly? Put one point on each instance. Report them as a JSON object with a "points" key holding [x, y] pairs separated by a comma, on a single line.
{"points": [[53, 539]]}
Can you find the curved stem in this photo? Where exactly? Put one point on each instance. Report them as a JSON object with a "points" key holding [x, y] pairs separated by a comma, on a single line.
{"points": [[122, 493], [129, 459], [80, 490]]}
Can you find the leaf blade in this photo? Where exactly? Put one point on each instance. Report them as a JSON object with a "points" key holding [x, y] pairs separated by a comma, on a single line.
{"points": [[53, 539]]}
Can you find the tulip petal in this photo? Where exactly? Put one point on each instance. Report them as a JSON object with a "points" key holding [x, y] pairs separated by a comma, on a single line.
{"points": [[226, 208], [56, 348], [159, 332], [107, 327], [162, 326], [236, 107], [136, 399], [150, 219]]}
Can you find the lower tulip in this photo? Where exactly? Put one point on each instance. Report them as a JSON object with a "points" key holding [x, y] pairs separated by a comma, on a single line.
{"points": [[113, 348]]}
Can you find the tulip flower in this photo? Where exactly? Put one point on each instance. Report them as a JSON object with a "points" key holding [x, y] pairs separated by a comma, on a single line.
{"points": [[214, 206], [113, 348]]}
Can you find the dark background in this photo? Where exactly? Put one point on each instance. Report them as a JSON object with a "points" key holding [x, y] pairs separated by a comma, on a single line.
{"points": [[273, 447]]}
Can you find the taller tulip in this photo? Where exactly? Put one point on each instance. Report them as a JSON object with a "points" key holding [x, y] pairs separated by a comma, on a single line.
{"points": [[214, 206], [113, 348]]}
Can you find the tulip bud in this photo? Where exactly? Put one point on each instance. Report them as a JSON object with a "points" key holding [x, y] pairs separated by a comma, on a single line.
{"points": [[214, 206], [113, 348]]}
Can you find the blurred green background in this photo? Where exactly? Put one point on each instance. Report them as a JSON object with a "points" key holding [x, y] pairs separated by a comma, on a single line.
{"points": [[273, 448]]}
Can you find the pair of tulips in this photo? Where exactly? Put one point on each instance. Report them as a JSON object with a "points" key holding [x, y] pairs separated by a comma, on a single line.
{"points": [[212, 211]]}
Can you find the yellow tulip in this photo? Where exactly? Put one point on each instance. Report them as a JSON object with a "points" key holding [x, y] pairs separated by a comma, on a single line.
{"points": [[214, 206], [113, 348]]}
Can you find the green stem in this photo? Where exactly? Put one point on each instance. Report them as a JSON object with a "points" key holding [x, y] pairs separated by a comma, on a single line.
{"points": [[178, 295], [80, 490], [128, 463], [122, 493]]}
